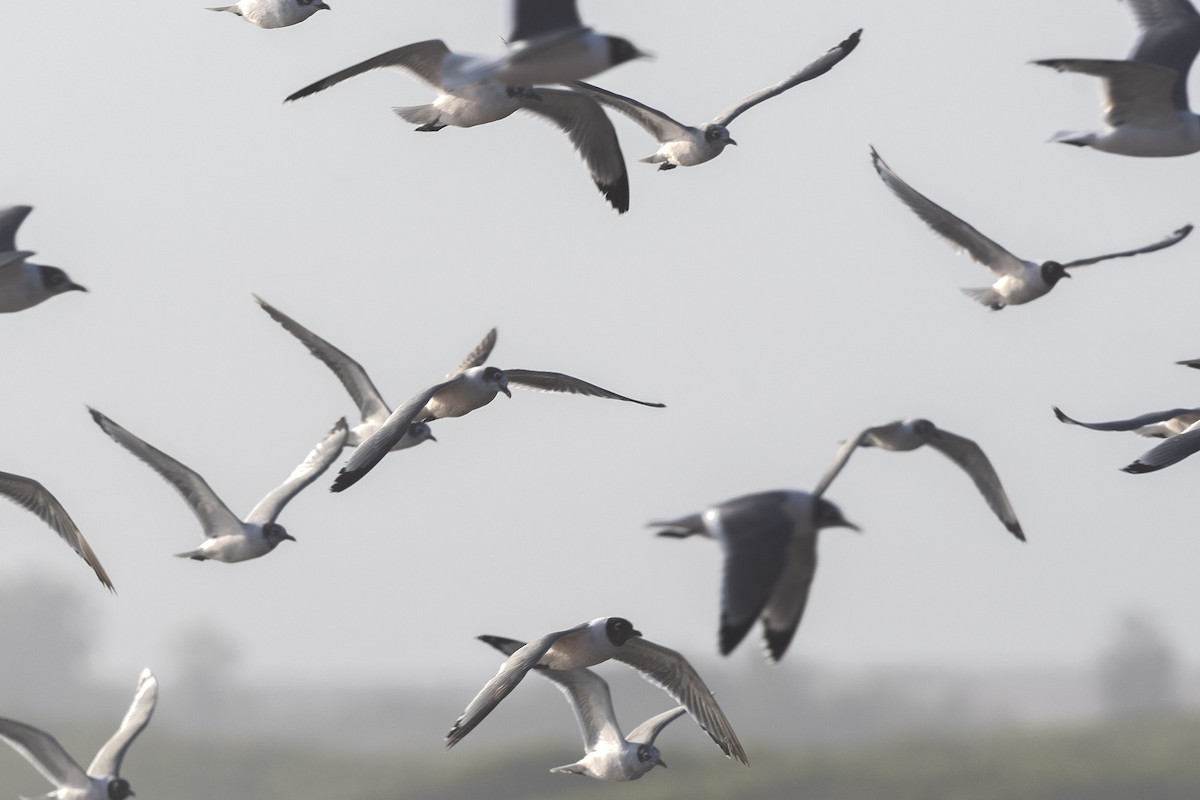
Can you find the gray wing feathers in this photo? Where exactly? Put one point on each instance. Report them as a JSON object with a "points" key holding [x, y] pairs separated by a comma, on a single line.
{"points": [[311, 468], [210, 509], [1175, 238], [972, 459], [10, 220], [1172, 450], [785, 608], [480, 354], [1143, 92], [1126, 424], [372, 450], [657, 124], [649, 730], [353, 377], [754, 538], [672, 672], [813, 70], [45, 754], [108, 760], [422, 59], [505, 680], [1170, 36], [954, 230], [32, 496], [559, 382], [592, 134], [537, 17], [843, 455]]}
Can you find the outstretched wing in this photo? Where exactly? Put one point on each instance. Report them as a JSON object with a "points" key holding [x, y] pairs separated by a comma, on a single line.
{"points": [[11, 218], [423, 59], [657, 124], [311, 468], [45, 754], [970, 456], [480, 354], [843, 455], [1175, 238], [108, 760], [559, 382]]}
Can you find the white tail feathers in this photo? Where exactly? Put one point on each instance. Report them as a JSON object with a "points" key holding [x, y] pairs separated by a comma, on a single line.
{"points": [[988, 296], [418, 115]]}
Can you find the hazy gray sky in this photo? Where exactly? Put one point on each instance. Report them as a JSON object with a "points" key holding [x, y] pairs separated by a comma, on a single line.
{"points": [[778, 300]]}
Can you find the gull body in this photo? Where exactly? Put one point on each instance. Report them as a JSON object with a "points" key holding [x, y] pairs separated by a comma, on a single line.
{"points": [[608, 754], [24, 284], [463, 393], [102, 780], [548, 44], [1145, 98], [274, 13], [769, 543], [32, 496], [371, 406], [688, 145], [1018, 281], [481, 102], [912, 433], [592, 643], [226, 537]]}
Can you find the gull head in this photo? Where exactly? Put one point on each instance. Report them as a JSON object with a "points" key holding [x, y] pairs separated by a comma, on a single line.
{"points": [[275, 533], [619, 630], [621, 50], [315, 7], [649, 757], [57, 281], [118, 789], [420, 431], [717, 135], [830, 516], [493, 377], [1052, 271]]}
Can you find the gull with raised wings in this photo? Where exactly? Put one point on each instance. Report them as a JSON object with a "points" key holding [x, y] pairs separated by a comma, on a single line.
{"points": [[24, 284]]}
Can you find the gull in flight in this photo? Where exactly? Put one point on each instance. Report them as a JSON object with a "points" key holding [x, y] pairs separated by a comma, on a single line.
{"points": [[548, 44], [609, 755], [24, 284], [1179, 428], [1145, 97], [481, 102], [1017, 280], [354, 378], [32, 496], [102, 780], [769, 540], [463, 393], [909, 434], [226, 537], [274, 13], [594, 642], [688, 145]]}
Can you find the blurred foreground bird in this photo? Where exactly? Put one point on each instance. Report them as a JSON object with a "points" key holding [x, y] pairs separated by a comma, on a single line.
{"points": [[24, 284]]}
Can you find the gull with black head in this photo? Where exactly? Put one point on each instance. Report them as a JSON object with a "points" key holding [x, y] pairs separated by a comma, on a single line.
{"points": [[24, 284]]}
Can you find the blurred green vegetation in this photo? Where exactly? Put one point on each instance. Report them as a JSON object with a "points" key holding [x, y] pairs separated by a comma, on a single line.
{"points": [[1151, 759]]}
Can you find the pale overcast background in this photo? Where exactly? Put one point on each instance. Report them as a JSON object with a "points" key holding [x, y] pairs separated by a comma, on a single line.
{"points": [[778, 300]]}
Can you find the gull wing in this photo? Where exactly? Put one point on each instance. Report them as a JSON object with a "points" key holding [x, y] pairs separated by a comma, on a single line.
{"points": [[11, 218], [592, 134], [533, 18], [1194, 363], [14, 257], [587, 693], [1169, 35], [372, 449], [671, 672], [784, 610], [212, 512], [32, 496], [1126, 424], [813, 70], [753, 532], [478, 356], [422, 59], [311, 468], [1130, 92], [353, 377], [657, 124], [108, 760], [971, 458], [1175, 238], [1173, 449], [954, 230], [559, 382], [843, 455], [45, 754], [649, 730], [505, 680]]}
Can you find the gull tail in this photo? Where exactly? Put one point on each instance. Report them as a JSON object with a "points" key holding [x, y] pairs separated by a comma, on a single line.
{"points": [[425, 116], [988, 296], [233, 9], [1076, 138], [195, 555]]}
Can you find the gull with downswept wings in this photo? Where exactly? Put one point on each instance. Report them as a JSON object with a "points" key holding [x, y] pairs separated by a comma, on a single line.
{"points": [[228, 538], [769, 543], [1179, 428], [102, 780], [1017, 280], [354, 378], [592, 643], [1145, 97], [478, 103], [689, 145], [32, 496], [471, 389], [608, 754], [909, 434]]}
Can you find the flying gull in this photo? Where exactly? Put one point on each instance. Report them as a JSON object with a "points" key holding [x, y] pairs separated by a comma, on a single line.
{"points": [[24, 284]]}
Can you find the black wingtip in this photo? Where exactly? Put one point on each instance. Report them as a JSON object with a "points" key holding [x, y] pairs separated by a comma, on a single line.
{"points": [[731, 636], [851, 41], [1015, 530], [776, 644], [617, 194], [1137, 468], [345, 479], [1061, 416]]}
